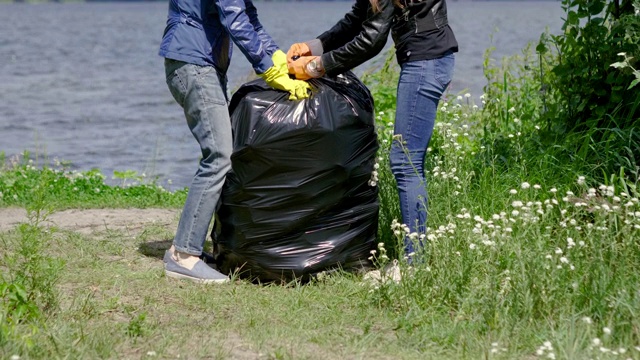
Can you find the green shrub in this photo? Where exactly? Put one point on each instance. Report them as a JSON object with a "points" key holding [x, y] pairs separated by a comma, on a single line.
{"points": [[596, 113]]}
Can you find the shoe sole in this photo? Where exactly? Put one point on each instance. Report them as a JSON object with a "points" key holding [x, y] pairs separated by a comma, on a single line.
{"points": [[176, 275]]}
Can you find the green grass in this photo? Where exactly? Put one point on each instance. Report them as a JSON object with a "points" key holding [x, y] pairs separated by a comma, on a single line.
{"points": [[25, 181], [116, 303]]}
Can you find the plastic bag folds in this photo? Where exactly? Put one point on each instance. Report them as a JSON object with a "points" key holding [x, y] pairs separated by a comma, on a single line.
{"points": [[298, 200]]}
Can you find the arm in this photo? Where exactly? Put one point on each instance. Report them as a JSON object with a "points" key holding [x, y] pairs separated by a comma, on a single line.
{"points": [[236, 20], [367, 34], [266, 39], [345, 29]]}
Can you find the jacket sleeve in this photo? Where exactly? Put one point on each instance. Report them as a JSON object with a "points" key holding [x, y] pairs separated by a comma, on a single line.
{"points": [[358, 37], [238, 23], [266, 39]]}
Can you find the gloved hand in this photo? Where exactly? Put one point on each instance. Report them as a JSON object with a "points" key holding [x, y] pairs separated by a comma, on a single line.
{"points": [[280, 80], [302, 67], [298, 49], [279, 59]]}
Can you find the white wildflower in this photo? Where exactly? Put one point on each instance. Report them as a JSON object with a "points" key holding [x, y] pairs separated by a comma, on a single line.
{"points": [[570, 243], [581, 180]]}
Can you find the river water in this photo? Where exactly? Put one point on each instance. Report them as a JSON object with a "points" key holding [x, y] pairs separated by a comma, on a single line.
{"points": [[83, 83]]}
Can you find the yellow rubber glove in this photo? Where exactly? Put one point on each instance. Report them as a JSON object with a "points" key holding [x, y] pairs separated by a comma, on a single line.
{"points": [[280, 80], [280, 60], [298, 49]]}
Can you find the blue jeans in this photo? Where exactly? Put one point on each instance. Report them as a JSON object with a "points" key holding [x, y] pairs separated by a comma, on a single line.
{"points": [[201, 92], [420, 87]]}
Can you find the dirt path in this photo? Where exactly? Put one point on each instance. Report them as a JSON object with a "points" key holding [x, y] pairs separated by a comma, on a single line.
{"points": [[91, 220]]}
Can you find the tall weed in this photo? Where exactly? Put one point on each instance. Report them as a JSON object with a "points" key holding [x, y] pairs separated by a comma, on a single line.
{"points": [[28, 282]]}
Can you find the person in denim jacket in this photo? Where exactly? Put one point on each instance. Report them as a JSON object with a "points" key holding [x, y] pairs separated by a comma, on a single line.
{"points": [[197, 45], [425, 47]]}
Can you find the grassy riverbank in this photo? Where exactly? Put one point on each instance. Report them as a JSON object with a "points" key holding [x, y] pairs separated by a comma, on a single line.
{"points": [[532, 252]]}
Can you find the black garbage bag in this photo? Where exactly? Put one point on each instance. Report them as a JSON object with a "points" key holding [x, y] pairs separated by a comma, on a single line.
{"points": [[298, 200]]}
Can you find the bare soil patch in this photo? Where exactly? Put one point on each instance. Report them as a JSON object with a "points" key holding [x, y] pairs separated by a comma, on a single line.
{"points": [[87, 221]]}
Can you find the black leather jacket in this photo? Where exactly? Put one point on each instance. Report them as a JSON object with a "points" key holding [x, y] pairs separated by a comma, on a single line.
{"points": [[417, 16], [362, 33]]}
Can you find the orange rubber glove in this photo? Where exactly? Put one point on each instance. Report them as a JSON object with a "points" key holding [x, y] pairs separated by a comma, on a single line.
{"points": [[303, 70], [298, 67], [298, 49]]}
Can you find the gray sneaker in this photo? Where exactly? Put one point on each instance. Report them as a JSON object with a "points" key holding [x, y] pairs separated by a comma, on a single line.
{"points": [[167, 256], [201, 272]]}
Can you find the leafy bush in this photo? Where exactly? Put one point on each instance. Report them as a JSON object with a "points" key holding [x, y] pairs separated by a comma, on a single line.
{"points": [[594, 109]]}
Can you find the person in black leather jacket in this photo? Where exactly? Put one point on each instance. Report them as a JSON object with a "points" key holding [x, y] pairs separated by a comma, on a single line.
{"points": [[425, 47]]}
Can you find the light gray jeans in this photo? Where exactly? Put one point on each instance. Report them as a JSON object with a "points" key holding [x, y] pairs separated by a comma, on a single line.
{"points": [[201, 92]]}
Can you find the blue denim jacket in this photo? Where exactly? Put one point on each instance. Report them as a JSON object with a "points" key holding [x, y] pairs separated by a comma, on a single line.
{"points": [[198, 32]]}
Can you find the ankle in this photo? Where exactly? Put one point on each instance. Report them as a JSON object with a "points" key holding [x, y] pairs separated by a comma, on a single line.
{"points": [[186, 260]]}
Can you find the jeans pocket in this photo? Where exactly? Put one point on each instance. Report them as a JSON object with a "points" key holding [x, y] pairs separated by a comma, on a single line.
{"points": [[444, 69], [203, 71], [176, 85]]}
